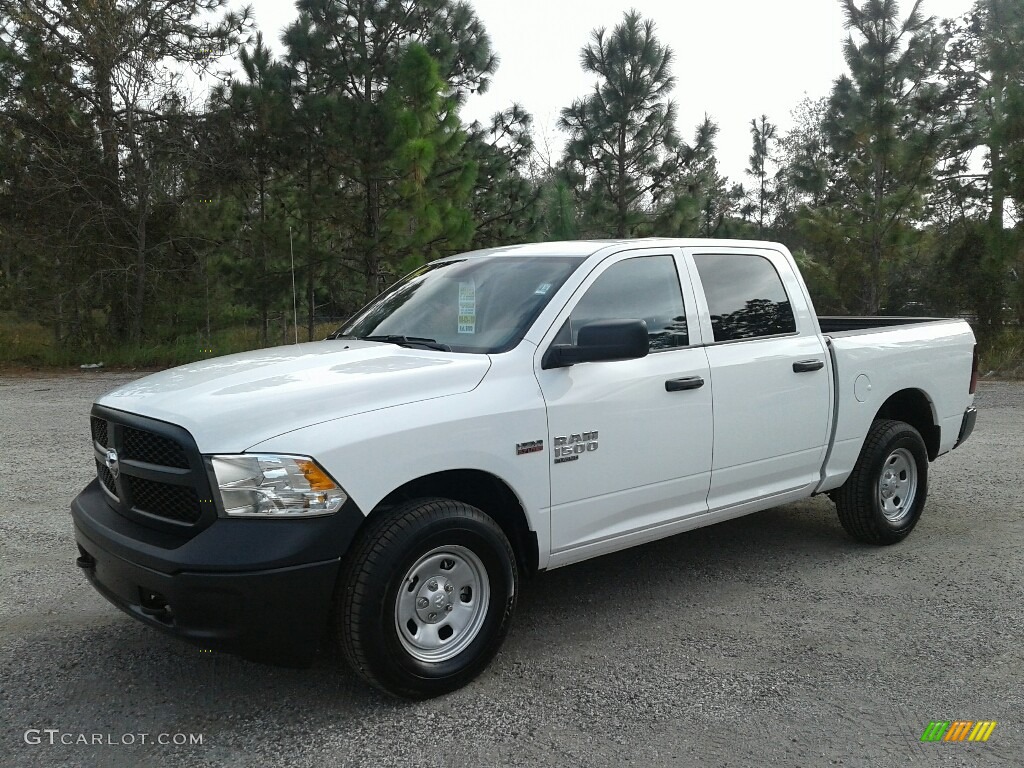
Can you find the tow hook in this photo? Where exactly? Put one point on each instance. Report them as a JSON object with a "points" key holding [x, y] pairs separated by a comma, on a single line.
{"points": [[86, 561], [155, 605]]}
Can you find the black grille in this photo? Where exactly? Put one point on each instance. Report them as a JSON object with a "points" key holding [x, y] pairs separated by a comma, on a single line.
{"points": [[106, 478], [174, 502], [99, 431], [162, 482], [153, 449]]}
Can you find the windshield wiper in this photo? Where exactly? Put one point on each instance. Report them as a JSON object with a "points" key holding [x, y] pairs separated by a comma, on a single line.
{"points": [[408, 341]]}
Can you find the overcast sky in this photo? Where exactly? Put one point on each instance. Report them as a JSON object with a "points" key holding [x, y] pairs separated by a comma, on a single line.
{"points": [[734, 59]]}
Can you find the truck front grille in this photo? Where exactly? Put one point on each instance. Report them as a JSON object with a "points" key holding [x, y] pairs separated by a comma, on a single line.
{"points": [[99, 431], [106, 478], [159, 478], [173, 502], [152, 449]]}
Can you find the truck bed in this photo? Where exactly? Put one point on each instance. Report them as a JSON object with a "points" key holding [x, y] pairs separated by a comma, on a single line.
{"points": [[840, 325], [873, 357]]}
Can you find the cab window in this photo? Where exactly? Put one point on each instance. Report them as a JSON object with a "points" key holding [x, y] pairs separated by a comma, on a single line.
{"points": [[642, 288], [745, 296]]}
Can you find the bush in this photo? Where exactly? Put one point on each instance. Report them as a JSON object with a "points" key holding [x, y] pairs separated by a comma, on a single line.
{"points": [[1003, 354]]}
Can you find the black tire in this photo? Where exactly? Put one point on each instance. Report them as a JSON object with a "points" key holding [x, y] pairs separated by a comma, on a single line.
{"points": [[864, 510], [367, 612]]}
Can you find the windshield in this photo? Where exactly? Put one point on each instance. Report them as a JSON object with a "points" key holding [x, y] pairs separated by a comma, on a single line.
{"points": [[482, 304]]}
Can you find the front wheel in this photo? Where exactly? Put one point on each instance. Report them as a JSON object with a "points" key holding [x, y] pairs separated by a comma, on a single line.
{"points": [[426, 597], [882, 500]]}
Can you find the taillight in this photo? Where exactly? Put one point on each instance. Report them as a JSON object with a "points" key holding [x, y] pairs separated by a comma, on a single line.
{"points": [[974, 372]]}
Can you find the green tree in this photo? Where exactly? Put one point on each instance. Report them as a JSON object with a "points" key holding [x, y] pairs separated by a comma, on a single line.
{"points": [[245, 165], [804, 162], [622, 148], [762, 198], [886, 126], [505, 201], [108, 62], [698, 200], [986, 72], [387, 177]]}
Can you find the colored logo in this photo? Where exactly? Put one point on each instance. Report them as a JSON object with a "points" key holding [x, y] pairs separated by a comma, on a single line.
{"points": [[958, 730]]}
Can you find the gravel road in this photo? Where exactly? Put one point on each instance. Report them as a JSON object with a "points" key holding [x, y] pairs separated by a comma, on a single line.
{"points": [[769, 640]]}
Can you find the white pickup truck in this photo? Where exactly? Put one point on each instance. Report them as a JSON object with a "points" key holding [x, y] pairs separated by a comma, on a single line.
{"points": [[495, 414]]}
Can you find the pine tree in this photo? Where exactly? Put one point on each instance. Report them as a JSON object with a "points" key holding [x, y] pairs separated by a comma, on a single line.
{"points": [[986, 71], [246, 160], [698, 199], [504, 199], [379, 87], [763, 196], [885, 127], [622, 149]]}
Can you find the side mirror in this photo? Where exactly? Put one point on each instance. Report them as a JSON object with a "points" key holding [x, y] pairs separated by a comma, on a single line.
{"points": [[604, 340]]}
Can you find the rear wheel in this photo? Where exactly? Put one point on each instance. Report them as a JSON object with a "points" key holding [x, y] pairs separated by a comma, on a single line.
{"points": [[882, 500], [426, 597]]}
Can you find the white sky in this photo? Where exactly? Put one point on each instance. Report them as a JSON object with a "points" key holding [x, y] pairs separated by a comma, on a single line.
{"points": [[734, 59]]}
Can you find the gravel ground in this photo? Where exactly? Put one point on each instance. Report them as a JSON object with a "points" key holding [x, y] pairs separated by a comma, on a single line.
{"points": [[769, 640]]}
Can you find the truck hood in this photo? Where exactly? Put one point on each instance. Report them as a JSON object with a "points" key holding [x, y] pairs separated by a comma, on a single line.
{"points": [[231, 403]]}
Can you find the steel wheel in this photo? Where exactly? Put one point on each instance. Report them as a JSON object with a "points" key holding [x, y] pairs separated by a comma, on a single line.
{"points": [[442, 603], [897, 485], [882, 500]]}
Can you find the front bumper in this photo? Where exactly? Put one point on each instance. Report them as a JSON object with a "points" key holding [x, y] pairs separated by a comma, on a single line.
{"points": [[259, 588], [967, 425]]}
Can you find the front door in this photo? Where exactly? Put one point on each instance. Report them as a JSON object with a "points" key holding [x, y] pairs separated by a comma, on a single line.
{"points": [[630, 440]]}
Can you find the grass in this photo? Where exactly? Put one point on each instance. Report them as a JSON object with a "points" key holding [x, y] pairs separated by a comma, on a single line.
{"points": [[31, 345], [1003, 355]]}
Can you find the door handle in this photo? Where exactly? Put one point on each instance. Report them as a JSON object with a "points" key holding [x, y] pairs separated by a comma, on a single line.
{"points": [[689, 382], [804, 366]]}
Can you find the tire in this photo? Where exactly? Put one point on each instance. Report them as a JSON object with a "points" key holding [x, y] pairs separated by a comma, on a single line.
{"points": [[882, 500], [426, 597]]}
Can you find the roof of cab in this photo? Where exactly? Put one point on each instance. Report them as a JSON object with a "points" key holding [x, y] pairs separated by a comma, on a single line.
{"points": [[585, 248]]}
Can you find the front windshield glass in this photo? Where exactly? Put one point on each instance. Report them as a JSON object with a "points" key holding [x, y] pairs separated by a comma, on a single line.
{"points": [[483, 304]]}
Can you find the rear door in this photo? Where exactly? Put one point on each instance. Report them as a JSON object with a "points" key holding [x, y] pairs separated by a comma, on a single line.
{"points": [[631, 440], [769, 374]]}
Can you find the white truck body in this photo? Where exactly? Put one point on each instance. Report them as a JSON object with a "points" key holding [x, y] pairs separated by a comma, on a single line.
{"points": [[648, 462], [497, 413]]}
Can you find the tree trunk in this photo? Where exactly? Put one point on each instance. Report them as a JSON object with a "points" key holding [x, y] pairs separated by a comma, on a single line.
{"points": [[263, 289], [135, 327], [996, 160], [371, 263], [58, 313], [105, 120], [139, 292], [311, 256], [996, 241], [871, 295], [620, 203]]}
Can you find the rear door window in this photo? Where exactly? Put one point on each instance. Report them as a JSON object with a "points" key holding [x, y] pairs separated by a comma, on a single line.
{"points": [[745, 296]]}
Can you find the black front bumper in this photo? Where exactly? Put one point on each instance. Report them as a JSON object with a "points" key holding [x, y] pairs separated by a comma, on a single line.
{"points": [[967, 425], [260, 588]]}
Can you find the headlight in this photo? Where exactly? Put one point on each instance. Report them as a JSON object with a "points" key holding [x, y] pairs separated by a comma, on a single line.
{"points": [[261, 485]]}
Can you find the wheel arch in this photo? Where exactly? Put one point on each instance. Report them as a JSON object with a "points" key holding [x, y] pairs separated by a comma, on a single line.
{"points": [[914, 407], [483, 490]]}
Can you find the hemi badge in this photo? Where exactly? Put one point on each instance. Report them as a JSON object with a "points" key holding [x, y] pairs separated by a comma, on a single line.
{"points": [[533, 446]]}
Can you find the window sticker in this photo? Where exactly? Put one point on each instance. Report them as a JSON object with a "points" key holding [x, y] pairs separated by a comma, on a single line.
{"points": [[467, 307], [542, 289]]}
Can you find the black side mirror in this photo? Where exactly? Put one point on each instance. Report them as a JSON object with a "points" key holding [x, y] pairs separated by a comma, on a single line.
{"points": [[603, 340]]}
